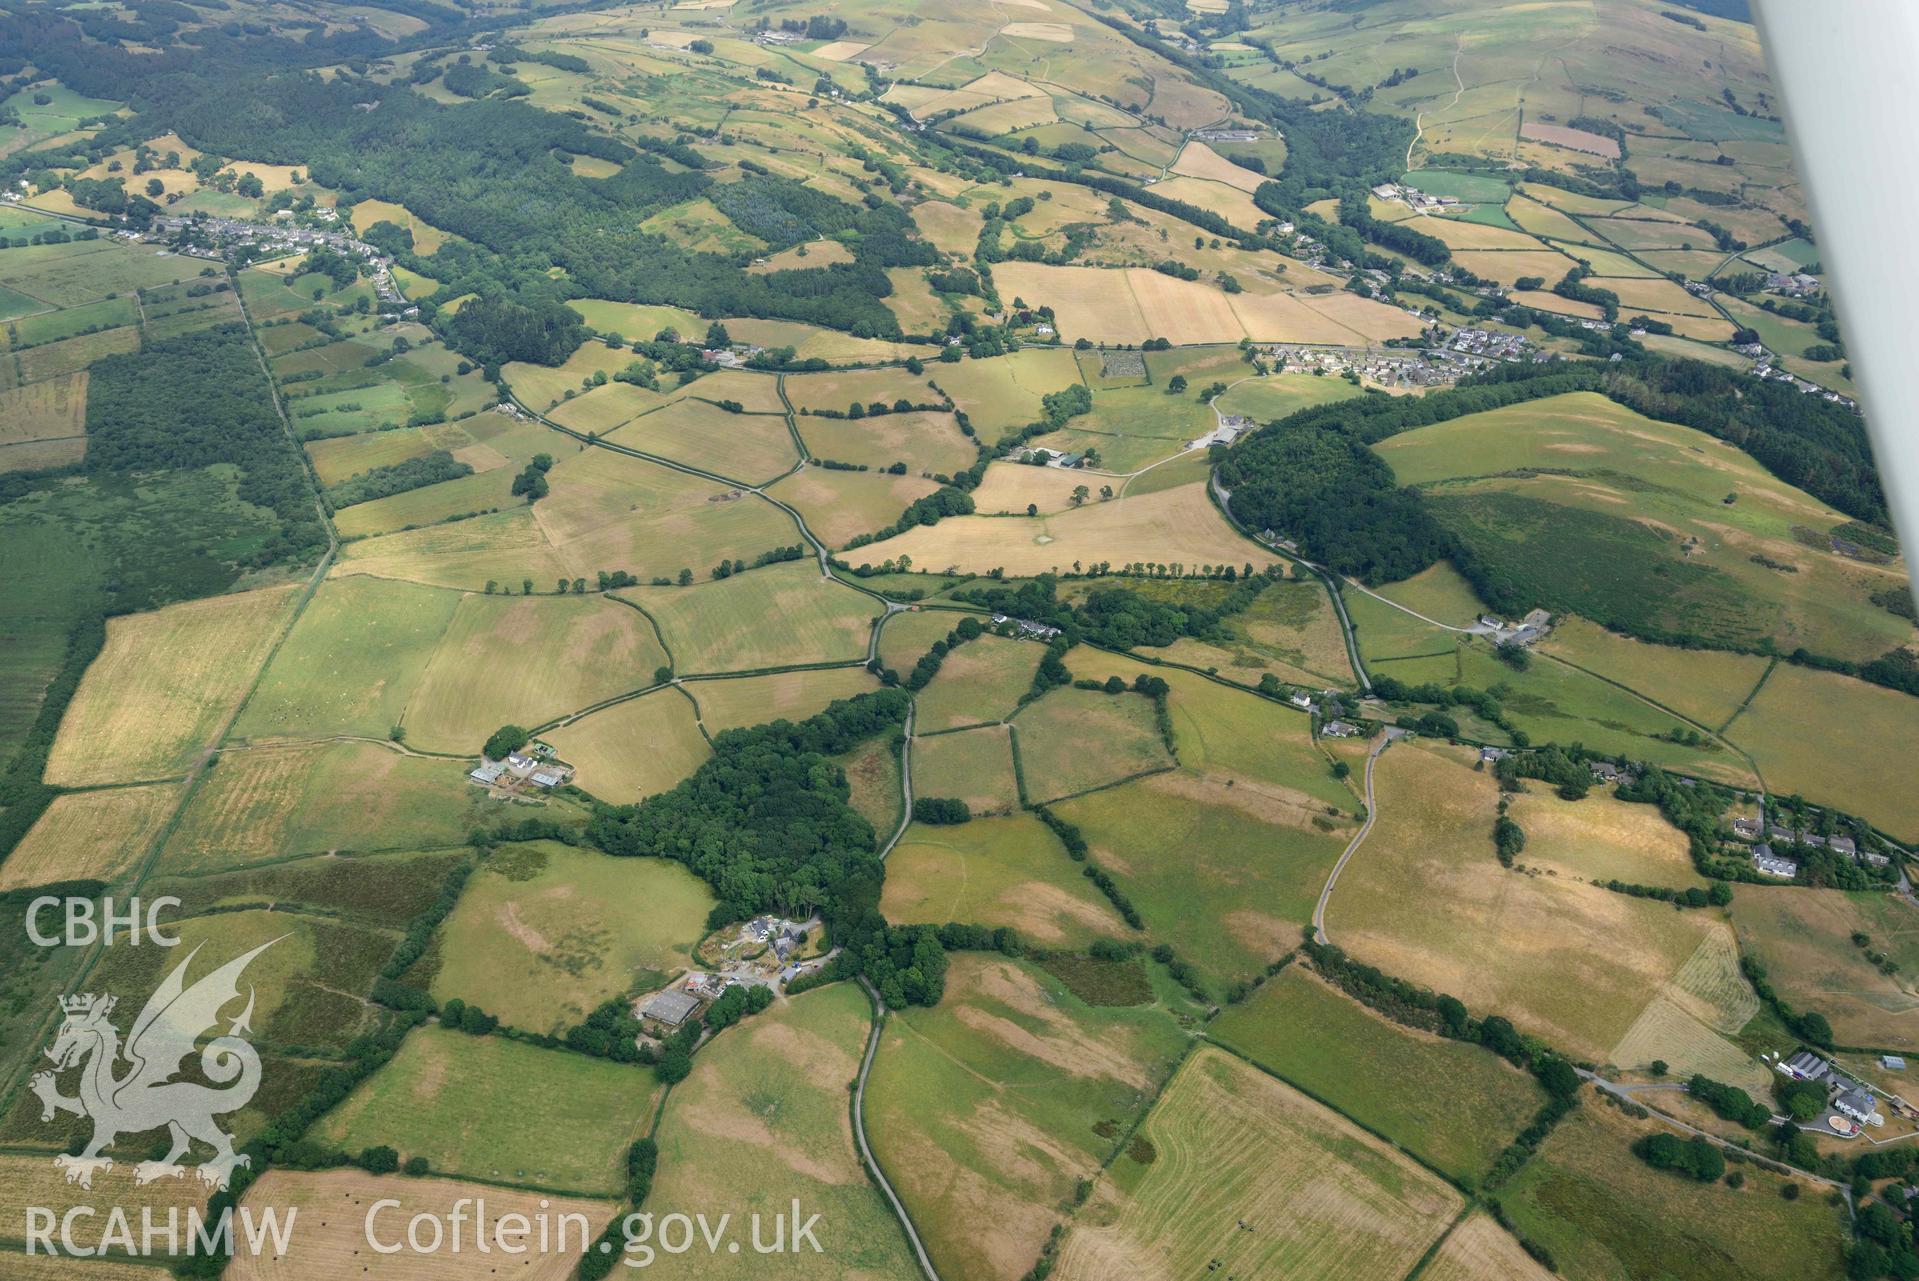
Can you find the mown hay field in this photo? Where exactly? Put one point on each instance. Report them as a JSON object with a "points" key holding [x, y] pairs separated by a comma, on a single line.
{"points": [[1171, 526], [990, 1107], [1470, 1102], [351, 662], [261, 803], [501, 1110], [1799, 715], [763, 1119], [633, 749], [524, 660], [1319, 1197], [978, 682], [545, 932], [996, 871], [776, 616], [1225, 870], [90, 836], [751, 448], [972, 765], [1804, 939], [1566, 961], [333, 1206], [164, 686], [739, 701], [1478, 1249], [929, 442], [1603, 1212]]}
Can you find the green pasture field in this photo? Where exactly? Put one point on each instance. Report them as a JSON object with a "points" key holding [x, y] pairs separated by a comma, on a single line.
{"points": [[634, 320], [927, 443], [545, 932], [1706, 686], [1438, 592], [1470, 1102], [1226, 874], [334, 358], [1073, 740], [481, 675], [499, 450], [351, 662], [1567, 961], [751, 448], [1624, 521], [1010, 1055], [1275, 396], [972, 765], [1133, 427], [729, 626], [1228, 1145], [1220, 729], [51, 326], [995, 871], [14, 304], [1003, 393], [1804, 939], [1477, 188], [607, 406], [1395, 643], [1290, 631], [1603, 1212], [633, 749], [763, 1119], [1799, 716], [264, 803], [981, 681], [379, 407], [490, 1108], [905, 637]]}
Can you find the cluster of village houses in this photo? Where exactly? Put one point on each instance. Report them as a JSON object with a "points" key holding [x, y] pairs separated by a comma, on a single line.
{"points": [[1769, 843]]}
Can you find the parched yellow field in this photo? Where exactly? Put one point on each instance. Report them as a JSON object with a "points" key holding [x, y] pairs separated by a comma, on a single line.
{"points": [[33, 1180], [1480, 1250], [90, 836], [1249, 1177], [839, 506], [1197, 160], [974, 765], [839, 389], [1172, 526], [753, 448], [994, 871], [47, 410], [427, 238], [1506, 266], [1009, 488], [928, 443], [524, 660], [1692, 1015], [776, 616], [814, 253], [333, 1205], [794, 696], [164, 687], [1602, 838], [1804, 939], [1568, 961], [1130, 305], [633, 749]]}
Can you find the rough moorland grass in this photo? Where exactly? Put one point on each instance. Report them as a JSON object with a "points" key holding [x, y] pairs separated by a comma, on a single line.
{"points": [[1469, 1104], [996, 871], [1009, 1062], [383, 891], [1603, 1212], [980, 681], [524, 660], [755, 700], [777, 616], [545, 932], [332, 1239], [261, 803], [633, 749], [1804, 939], [873, 777], [1075, 739], [974, 765], [351, 662], [1224, 870], [164, 686], [90, 836], [1808, 731], [1228, 1145], [501, 1110], [1567, 961], [763, 1119]]}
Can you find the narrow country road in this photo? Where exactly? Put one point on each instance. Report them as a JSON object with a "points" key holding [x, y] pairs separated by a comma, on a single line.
{"points": [[906, 782], [1352, 847], [859, 1132]]}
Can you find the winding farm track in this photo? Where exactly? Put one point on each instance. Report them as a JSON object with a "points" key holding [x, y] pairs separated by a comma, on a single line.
{"points": [[1359, 837], [859, 1132]]}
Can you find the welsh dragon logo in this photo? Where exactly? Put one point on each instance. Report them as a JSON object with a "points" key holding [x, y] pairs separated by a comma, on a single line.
{"points": [[144, 1096]]}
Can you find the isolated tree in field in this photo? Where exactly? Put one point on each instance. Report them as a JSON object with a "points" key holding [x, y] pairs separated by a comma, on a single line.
{"points": [[1105, 492], [1080, 494], [1032, 509], [1176, 384], [505, 740], [686, 578], [379, 1160]]}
